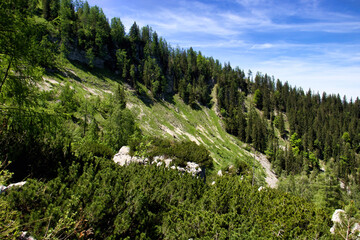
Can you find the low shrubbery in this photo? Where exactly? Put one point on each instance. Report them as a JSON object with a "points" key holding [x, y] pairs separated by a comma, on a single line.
{"points": [[181, 152]]}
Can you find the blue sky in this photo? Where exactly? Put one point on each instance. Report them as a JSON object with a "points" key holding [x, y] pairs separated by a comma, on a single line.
{"points": [[309, 43]]}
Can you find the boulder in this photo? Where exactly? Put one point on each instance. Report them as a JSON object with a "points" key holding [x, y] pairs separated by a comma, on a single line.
{"points": [[193, 168], [123, 156]]}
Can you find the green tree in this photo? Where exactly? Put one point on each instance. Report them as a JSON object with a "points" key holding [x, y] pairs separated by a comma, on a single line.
{"points": [[117, 32], [135, 40], [120, 97], [68, 102], [9, 225], [258, 99], [122, 63], [153, 77], [349, 218], [67, 17], [133, 75], [118, 128], [23, 50], [280, 124]]}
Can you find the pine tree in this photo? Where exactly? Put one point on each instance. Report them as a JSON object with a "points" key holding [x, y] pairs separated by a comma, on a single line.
{"points": [[67, 16], [117, 32]]}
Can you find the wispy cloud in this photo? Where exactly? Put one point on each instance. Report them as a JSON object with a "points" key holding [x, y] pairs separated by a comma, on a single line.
{"points": [[317, 76], [291, 39]]}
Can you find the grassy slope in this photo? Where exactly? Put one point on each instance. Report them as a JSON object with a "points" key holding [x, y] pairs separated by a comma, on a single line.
{"points": [[170, 119]]}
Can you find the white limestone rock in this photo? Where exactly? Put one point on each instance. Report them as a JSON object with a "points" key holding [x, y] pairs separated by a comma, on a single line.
{"points": [[18, 184], [168, 162], [193, 168], [123, 156], [181, 169]]}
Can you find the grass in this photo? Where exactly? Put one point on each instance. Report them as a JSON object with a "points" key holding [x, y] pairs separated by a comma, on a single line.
{"points": [[179, 121], [174, 120]]}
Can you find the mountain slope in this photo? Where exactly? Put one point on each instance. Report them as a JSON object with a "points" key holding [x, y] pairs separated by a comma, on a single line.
{"points": [[179, 121], [172, 119]]}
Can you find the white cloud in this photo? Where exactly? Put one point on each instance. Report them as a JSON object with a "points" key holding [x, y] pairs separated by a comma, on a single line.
{"points": [[262, 46], [318, 76], [228, 34]]}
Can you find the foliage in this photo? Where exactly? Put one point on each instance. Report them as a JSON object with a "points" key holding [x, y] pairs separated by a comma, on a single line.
{"points": [[118, 128], [9, 224], [348, 227], [68, 102], [182, 152], [150, 202], [258, 99], [95, 149]]}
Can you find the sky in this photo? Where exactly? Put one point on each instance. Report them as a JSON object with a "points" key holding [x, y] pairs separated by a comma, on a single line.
{"points": [[312, 44]]}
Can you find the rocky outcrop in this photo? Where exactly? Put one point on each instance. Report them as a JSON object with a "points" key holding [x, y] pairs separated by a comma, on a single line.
{"points": [[80, 56], [123, 158]]}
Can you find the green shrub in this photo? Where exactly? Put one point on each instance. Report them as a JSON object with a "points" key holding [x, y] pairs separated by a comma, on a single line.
{"points": [[96, 149]]}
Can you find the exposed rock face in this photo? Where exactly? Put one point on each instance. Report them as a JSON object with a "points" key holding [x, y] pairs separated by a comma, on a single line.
{"points": [[80, 56], [123, 158]]}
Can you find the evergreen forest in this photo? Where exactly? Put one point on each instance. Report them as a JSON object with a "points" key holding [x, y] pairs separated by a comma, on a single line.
{"points": [[69, 80]]}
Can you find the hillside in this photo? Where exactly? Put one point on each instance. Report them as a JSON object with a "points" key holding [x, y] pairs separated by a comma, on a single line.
{"points": [[75, 88], [173, 119]]}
